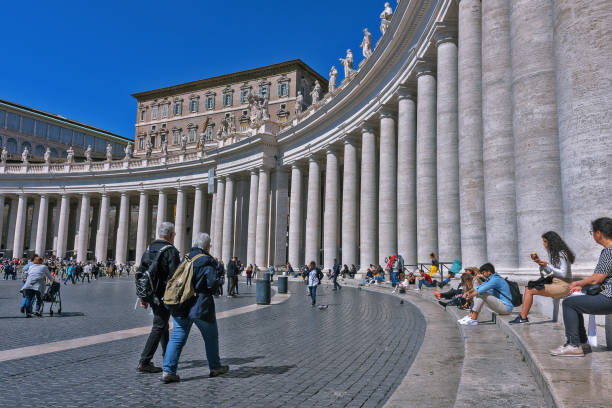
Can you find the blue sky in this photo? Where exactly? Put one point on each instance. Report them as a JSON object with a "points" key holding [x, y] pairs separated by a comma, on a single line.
{"points": [[83, 59]]}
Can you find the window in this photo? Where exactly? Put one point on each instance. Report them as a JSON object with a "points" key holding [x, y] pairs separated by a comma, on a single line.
{"points": [[100, 145], [283, 90], [165, 111], [54, 152], [41, 129], [163, 125], [11, 146], [153, 128], [176, 135], [54, 132], [243, 126], [77, 139], [66, 136], [209, 132], [2, 118], [27, 125], [154, 112], [40, 151], [210, 102], [152, 138], [141, 143], [13, 121], [227, 99], [143, 115], [192, 134], [193, 105], [244, 96], [178, 109], [264, 91]]}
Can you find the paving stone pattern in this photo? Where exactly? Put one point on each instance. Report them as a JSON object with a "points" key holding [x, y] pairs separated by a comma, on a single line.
{"points": [[354, 353]]}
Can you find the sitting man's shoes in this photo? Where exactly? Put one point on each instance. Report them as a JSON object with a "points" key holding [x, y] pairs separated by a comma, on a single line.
{"points": [[28, 315], [170, 378], [39, 314], [441, 303], [22, 309], [219, 371], [437, 294], [519, 319], [469, 322], [567, 350], [149, 368]]}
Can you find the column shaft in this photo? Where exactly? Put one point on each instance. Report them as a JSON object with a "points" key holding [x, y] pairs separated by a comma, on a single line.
{"points": [[41, 230], [227, 251], [198, 206], [20, 225], [34, 224], [83, 229], [313, 212], [263, 208], [143, 218], [252, 228], [180, 225], [295, 217], [102, 235], [62, 232], [368, 214], [2, 243], [122, 229], [330, 215], [350, 197], [387, 190], [162, 209], [217, 243], [281, 206]]}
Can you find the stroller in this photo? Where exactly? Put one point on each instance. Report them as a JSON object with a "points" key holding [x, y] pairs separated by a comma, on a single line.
{"points": [[52, 295]]}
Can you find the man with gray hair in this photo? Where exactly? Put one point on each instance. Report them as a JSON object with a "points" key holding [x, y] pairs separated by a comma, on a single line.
{"points": [[199, 310], [160, 259]]}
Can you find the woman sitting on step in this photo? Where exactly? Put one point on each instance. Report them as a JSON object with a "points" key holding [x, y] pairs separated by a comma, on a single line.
{"points": [[556, 274]]}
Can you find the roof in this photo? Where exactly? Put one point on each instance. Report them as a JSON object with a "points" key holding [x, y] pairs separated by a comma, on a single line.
{"points": [[240, 76], [59, 118]]}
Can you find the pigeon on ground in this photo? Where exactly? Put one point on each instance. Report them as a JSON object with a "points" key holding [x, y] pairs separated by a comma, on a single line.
{"points": [[323, 307], [401, 302]]}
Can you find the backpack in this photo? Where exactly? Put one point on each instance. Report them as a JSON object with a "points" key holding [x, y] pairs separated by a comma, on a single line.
{"points": [[179, 288], [515, 292], [319, 276], [146, 277]]}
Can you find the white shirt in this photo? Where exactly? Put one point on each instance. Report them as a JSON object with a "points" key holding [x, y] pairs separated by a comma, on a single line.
{"points": [[312, 278]]}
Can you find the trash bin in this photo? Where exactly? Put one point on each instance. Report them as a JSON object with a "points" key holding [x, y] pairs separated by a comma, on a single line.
{"points": [[282, 284], [262, 291]]}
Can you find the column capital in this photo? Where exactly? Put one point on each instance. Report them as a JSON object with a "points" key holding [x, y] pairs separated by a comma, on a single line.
{"points": [[386, 112], [229, 177], [425, 66], [125, 194], [298, 164], [404, 92], [366, 127], [332, 148], [445, 32], [350, 139]]}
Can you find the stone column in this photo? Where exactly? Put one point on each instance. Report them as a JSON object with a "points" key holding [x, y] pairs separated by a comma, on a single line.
{"points": [[180, 225], [62, 231], [330, 214], [583, 52], [141, 234], [263, 208], [406, 176], [252, 229], [313, 212], [213, 216], [12, 218], [387, 187], [281, 208], [198, 207], [34, 224], [102, 235], [122, 229], [427, 211], [536, 140], [2, 221], [350, 197], [241, 227], [227, 250], [217, 243], [471, 174], [449, 234], [368, 208], [295, 216], [498, 140], [41, 228], [20, 225], [162, 209], [83, 229]]}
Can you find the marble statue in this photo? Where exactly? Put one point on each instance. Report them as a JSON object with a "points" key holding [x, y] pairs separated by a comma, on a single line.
{"points": [[258, 107], [25, 155], [299, 103], [47, 156], [164, 146], [70, 155], [333, 79], [128, 151], [88, 153], [366, 43], [4, 155], [385, 18], [316, 92], [183, 142], [109, 152], [202, 140], [347, 63], [148, 149]]}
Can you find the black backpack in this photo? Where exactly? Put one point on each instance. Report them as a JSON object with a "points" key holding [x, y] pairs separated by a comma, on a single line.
{"points": [[319, 275], [515, 292], [146, 277]]}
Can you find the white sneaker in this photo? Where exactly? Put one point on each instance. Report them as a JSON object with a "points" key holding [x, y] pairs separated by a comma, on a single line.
{"points": [[469, 322], [464, 319]]}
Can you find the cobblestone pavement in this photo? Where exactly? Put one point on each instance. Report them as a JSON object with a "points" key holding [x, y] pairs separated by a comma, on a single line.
{"points": [[354, 353]]}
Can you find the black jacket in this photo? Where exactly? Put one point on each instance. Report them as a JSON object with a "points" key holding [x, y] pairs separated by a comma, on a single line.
{"points": [[232, 269], [205, 283], [168, 261]]}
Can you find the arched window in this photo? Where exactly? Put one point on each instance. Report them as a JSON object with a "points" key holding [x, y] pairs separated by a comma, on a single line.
{"points": [[28, 145], [54, 152], [40, 151], [11, 146]]}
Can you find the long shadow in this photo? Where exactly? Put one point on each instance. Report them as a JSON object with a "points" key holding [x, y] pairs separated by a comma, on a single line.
{"points": [[246, 372], [46, 315], [230, 361]]}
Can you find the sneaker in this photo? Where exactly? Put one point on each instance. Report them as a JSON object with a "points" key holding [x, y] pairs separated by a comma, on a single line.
{"points": [[437, 294], [149, 368], [464, 319], [586, 348], [28, 315], [519, 319], [469, 322], [441, 303], [567, 350], [219, 371], [22, 308], [170, 378], [39, 314]]}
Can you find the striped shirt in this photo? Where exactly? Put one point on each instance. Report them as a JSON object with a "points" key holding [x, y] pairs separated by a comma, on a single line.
{"points": [[604, 266]]}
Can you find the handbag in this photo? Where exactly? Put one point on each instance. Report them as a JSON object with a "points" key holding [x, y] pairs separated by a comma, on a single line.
{"points": [[538, 284], [592, 290]]}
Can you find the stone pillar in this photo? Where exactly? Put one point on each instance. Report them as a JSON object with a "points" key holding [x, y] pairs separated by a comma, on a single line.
{"points": [[281, 210], [350, 197], [369, 204], [449, 234], [498, 140], [263, 208], [217, 243], [180, 226], [583, 52], [83, 229], [162, 209], [295, 216], [20, 224], [406, 176], [41, 228], [387, 188], [536, 140], [427, 211], [330, 214], [2, 221], [313, 212], [213, 216], [34, 224], [471, 174], [141, 235], [122, 229], [62, 231], [252, 229], [241, 227], [102, 235], [227, 250], [198, 210]]}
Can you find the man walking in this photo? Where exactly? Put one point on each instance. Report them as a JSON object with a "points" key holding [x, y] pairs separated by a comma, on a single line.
{"points": [[313, 281], [232, 272], [168, 259], [200, 310], [336, 272]]}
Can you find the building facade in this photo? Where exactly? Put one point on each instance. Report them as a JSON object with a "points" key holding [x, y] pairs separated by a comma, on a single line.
{"points": [[471, 129]]}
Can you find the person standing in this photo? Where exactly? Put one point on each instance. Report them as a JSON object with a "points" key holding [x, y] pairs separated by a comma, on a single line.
{"points": [[313, 282], [271, 271], [168, 259], [35, 286], [336, 272], [231, 277], [200, 310]]}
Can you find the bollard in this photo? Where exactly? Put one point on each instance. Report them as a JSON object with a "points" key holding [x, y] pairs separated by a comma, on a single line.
{"points": [[282, 284], [262, 291]]}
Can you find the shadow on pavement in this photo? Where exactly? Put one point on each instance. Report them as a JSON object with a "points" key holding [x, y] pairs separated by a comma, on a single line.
{"points": [[230, 361], [246, 372]]}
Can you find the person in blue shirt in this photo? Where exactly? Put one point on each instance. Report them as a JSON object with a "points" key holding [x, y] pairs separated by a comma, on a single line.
{"points": [[495, 293]]}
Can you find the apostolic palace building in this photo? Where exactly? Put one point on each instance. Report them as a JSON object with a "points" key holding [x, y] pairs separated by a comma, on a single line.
{"points": [[468, 129]]}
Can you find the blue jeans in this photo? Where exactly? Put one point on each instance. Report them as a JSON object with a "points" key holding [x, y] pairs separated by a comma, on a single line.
{"points": [[249, 282], [180, 332], [424, 282], [28, 300], [313, 293]]}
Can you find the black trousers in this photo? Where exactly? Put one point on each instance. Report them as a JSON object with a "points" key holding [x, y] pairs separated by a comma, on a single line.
{"points": [[159, 333], [574, 307], [451, 293]]}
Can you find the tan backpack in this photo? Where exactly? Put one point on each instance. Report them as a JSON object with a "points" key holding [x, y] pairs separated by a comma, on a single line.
{"points": [[179, 288]]}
